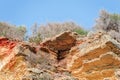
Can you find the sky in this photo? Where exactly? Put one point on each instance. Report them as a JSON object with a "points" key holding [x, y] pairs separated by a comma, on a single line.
{"points": [[28, 12]]}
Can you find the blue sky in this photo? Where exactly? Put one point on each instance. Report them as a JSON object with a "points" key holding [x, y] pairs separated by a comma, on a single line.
{"points": [[28, 12]]}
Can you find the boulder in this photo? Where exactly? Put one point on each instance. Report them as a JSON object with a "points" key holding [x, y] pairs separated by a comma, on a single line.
{"points": [[61, 44]]}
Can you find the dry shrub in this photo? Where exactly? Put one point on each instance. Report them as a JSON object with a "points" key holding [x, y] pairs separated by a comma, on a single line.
{"points": [[11, 31], [52, 29], [109, 23], [41, 32]]}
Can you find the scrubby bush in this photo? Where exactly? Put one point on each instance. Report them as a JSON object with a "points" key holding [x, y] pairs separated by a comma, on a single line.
{"points": [[41, 32], [52, 29], [35, 36], [109, 23], [12, 31], [35, 39]]}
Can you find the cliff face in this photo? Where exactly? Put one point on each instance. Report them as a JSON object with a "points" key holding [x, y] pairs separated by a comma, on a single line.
{"points": [[23, 61], [61, 58], [96, 59], [7, 51], [11, 66]]}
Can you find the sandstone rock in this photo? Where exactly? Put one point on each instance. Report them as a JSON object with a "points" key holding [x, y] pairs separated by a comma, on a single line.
{"points": [[63, 57], [61, 44], [62, 41], [11, 66], [95, 59], [21, 61], [6, 47]]}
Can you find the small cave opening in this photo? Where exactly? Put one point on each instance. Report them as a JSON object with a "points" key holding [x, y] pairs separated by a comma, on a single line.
{"points": [[61, 54]]}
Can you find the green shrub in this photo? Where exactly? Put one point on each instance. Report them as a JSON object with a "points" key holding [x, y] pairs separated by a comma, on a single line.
{"points": [[80, 31]]}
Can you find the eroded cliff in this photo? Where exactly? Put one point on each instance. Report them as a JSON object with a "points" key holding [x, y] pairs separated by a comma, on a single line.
{"points": [[96, 59], [63, 57]]}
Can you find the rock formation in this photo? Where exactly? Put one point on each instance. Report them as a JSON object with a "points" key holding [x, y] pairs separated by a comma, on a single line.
{"points": [[23, 61], [95, 59], [62, 57], [61, 43]]}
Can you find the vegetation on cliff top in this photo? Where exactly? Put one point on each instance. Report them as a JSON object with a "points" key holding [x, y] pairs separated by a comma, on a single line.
{"points": [[107, 22]]}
